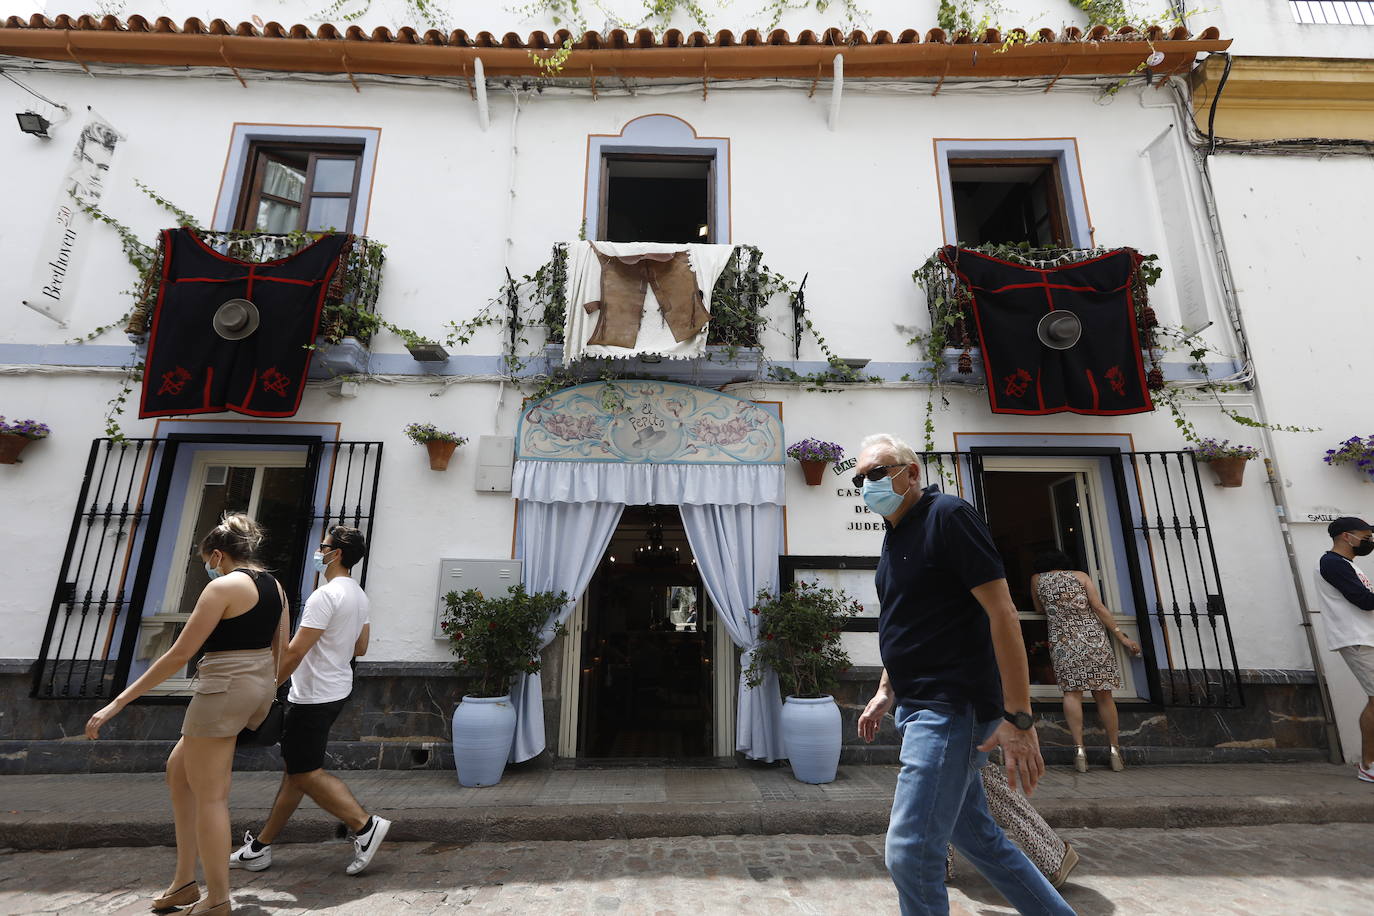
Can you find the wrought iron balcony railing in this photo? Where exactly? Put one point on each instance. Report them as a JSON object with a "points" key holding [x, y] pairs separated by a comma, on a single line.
{"points": [[350, 305]]}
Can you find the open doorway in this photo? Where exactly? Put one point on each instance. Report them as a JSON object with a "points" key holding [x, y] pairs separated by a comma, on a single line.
{"points": [[657, 198], [1038, 504], [645, 687]]}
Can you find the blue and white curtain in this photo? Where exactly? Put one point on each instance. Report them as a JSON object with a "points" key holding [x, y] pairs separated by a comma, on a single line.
{"points": [[733, 515]]}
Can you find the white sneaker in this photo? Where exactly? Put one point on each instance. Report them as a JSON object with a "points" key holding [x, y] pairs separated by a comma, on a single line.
{"points": [[245, 857], [1366, 774], [365, 845]]}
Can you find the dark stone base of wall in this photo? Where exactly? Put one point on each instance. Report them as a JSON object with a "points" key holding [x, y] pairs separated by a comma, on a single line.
{"points": [[400, 715]]}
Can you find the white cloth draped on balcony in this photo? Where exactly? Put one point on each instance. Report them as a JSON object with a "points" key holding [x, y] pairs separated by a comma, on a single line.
{"points": [[583, 285]]}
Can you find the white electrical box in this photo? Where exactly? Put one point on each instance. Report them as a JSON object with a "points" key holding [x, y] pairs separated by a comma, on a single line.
{"points": [[490, 577], [495, 463]]}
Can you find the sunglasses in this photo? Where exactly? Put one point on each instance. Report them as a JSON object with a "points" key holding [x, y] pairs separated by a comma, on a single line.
{"points": [[874, 474], [325, 548]]}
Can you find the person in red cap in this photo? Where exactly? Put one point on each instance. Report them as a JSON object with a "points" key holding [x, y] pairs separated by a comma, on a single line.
{"points": [[1348, 599]]}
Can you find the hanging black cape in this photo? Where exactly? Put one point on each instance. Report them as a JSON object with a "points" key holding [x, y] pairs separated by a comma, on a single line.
{"points": [[1103, 374], [191, 369]]}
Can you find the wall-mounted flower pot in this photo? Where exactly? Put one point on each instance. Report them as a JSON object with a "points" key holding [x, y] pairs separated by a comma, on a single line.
{"points": [[347, 357], [10, 447], [428, 352], [814, 471], [1229, 471], [440, 452]]}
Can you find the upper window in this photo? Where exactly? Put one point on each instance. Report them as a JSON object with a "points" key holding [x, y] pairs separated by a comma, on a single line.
{"points": [[1008, 200], [657, 181], [1012, 191], [656, 198], [293, 186]]}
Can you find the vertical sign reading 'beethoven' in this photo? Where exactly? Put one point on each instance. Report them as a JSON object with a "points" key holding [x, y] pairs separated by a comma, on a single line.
{"points": [[55, 267]]}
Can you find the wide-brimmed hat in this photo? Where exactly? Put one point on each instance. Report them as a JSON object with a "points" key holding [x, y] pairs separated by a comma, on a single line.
{"points": [[235, 319]]}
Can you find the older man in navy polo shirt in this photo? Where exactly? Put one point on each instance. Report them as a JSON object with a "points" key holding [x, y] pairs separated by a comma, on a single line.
{"points": [[947, 630]]}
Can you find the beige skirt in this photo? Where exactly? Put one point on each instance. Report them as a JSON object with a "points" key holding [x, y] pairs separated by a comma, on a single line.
{"points": [[233, 691]]}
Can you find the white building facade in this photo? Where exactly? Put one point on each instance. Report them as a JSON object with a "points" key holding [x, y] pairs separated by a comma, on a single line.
{"points": [[846, 160]]}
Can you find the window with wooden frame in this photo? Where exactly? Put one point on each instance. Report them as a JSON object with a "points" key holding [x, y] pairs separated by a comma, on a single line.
{"points": [[1009, 200], [299, 187], [657, 198]]}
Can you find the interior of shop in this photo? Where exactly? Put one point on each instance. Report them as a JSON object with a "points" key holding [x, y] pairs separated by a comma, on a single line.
{"points": [[645, 688]]}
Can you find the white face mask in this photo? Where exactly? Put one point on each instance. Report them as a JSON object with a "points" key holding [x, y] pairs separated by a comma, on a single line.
{"points": [[319, 562]]}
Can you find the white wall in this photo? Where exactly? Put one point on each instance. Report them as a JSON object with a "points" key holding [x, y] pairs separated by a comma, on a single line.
{"points": [[1293, 228], [856, 208]]}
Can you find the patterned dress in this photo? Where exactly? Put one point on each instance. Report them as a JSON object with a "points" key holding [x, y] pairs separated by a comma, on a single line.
{"points": [[1019, 820], [1079, 644]]}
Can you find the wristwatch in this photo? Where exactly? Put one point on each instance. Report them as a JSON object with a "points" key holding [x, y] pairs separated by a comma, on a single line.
{"points": [[1021, 720]]}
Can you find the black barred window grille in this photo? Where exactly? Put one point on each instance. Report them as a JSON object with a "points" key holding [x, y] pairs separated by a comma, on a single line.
{"points": [[105, 580], [1173, 575]]}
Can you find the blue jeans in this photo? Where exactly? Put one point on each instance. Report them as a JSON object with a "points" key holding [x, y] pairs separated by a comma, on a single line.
{"points": [[940, 801]]}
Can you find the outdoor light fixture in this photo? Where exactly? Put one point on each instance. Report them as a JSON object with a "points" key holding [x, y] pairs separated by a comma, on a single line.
{"points": [[31, 122]]}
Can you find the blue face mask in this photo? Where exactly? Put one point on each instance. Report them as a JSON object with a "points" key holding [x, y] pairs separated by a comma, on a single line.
{"points": [[880, 497], [319, 563], [212, 572]]}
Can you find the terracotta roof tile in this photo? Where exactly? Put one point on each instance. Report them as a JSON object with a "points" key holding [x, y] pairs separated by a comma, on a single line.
{"points": [[723, 55]]}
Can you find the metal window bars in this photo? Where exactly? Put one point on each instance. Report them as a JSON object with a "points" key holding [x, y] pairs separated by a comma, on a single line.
{"points": [[120, 520], [1170, 563], [1333, 12]]}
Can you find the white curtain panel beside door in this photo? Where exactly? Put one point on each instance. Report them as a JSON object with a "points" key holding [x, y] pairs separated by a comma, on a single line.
{"points": [[561, 545], [736, 549]]}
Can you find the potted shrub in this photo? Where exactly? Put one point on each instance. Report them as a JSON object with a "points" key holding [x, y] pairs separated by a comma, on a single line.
{"points": [[421, 348], [799, 639], [814, 455], [439, 443], [495, 639], [1227, 461], [16, 435], [1356, 452]]}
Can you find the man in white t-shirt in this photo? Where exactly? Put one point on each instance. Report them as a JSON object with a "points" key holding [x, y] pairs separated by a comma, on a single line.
{"points": [[334, 629], [1348, 606]]}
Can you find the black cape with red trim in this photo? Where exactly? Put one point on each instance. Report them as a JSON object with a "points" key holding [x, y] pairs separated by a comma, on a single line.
{"points": [[191, 369], [1103, 374]]}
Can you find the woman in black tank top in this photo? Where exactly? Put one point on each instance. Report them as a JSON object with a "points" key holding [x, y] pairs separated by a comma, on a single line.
{"points": [[240, 624]]}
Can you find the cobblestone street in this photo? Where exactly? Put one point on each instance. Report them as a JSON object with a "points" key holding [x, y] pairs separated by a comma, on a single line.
{"points": [[1285, 869]]}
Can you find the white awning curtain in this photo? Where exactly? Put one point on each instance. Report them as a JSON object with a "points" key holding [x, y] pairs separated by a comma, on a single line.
{"points": [[649, 484]]}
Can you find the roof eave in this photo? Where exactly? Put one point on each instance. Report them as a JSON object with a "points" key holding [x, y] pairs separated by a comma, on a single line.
{"points": [[927, 59]]}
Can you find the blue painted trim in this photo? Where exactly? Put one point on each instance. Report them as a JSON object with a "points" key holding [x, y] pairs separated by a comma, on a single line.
{"points": [[244, 134], [180, 484], [663, 135], [464, 364], [1063, 150]]}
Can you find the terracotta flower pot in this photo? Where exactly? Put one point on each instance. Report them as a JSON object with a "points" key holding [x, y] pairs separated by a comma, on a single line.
{"points": [[10, 447], [439, 453], [814, 471], [1229, 471]]}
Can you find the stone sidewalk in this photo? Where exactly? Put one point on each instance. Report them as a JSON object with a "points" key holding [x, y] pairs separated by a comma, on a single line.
{"points": [[74, 811], [1281, 870]]}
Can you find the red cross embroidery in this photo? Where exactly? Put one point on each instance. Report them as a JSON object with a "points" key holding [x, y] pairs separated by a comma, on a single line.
{"points": [[1117, 380], [174, 381], [276, 382], [1015, 385]]}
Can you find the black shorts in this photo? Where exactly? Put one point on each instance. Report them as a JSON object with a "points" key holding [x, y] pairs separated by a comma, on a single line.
{"points": [[305, 734]]}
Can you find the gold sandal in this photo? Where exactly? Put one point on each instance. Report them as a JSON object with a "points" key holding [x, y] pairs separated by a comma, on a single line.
{"points": [[186, 895]]}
